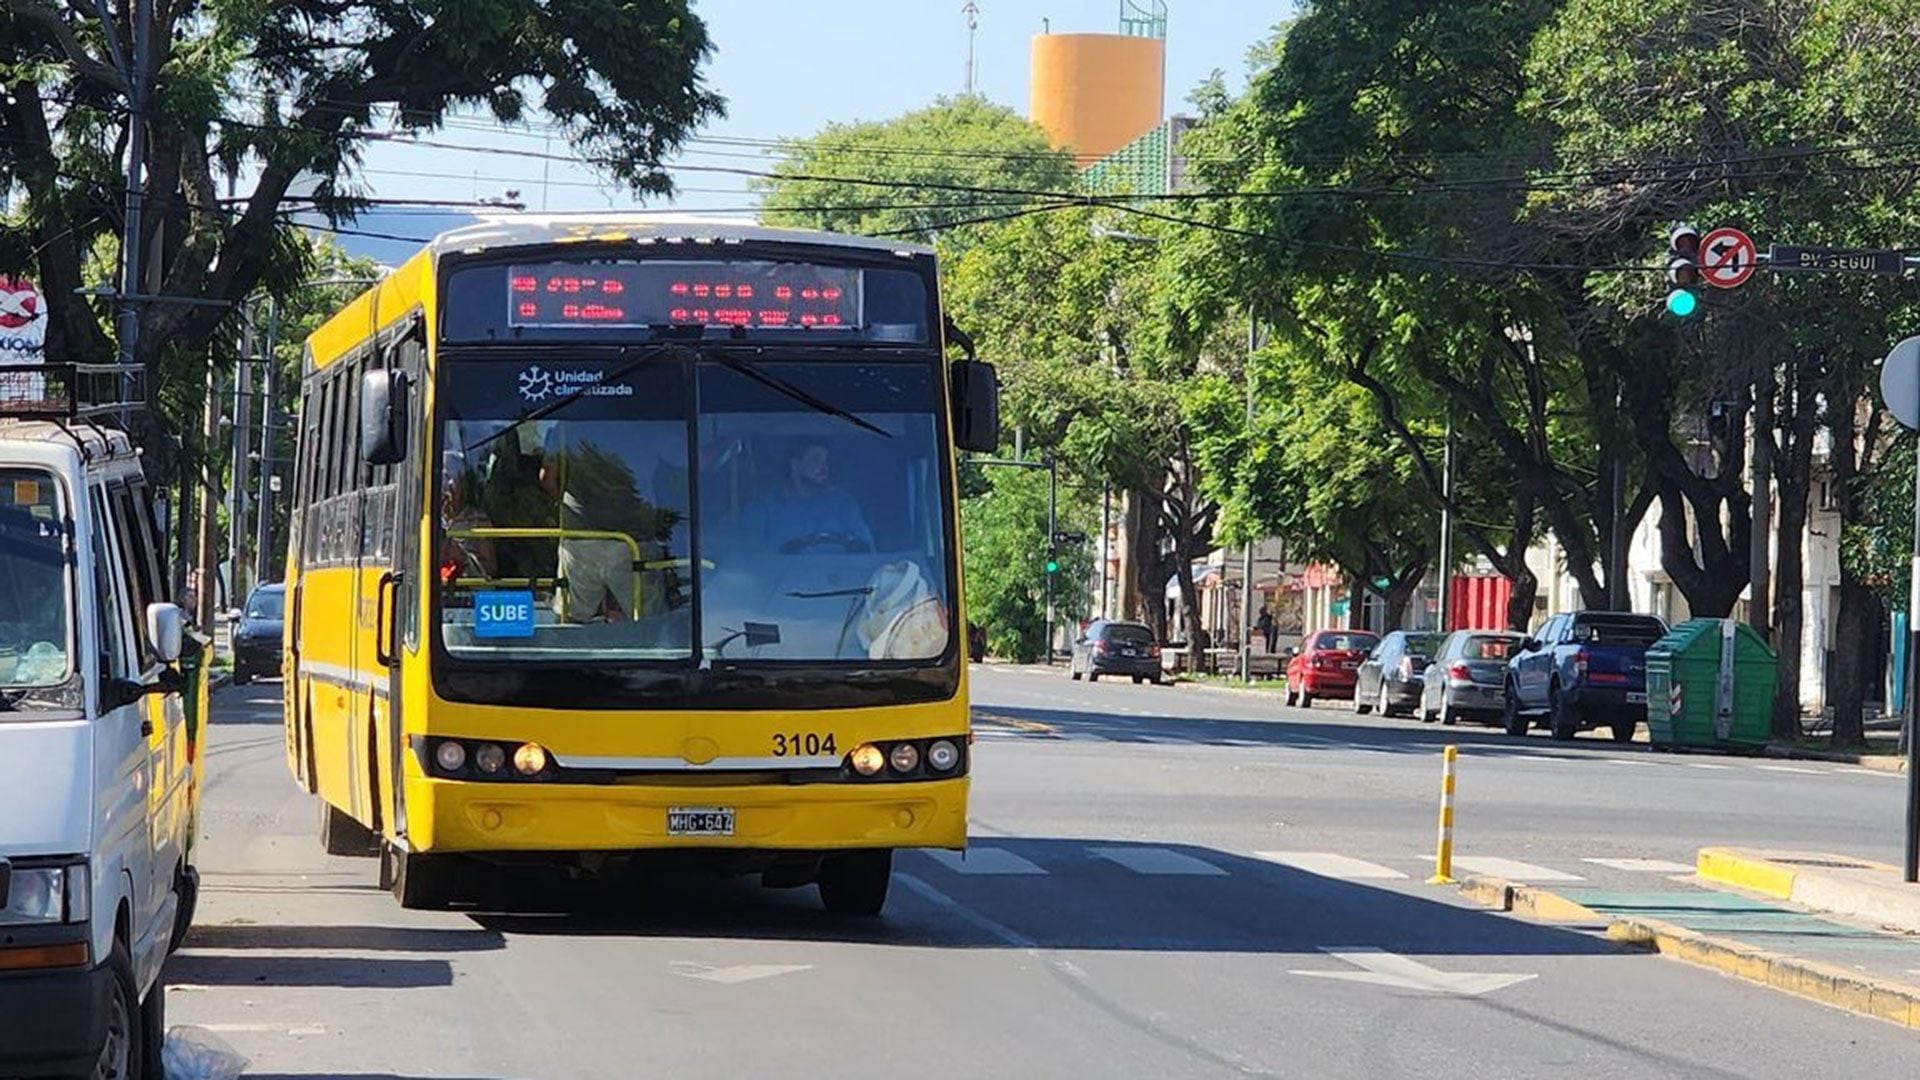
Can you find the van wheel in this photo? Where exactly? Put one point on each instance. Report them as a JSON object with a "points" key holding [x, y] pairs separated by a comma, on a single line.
{"points": [[420, 882], [340, 834], [855, 884], [134, 1031]]}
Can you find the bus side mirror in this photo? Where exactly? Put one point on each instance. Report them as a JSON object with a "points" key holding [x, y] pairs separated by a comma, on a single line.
{"points": [[976, 406], [383, 417]]}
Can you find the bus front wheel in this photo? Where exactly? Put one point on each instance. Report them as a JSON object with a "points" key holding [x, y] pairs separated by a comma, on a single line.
{"points": [[856, 883], [419, 882]]}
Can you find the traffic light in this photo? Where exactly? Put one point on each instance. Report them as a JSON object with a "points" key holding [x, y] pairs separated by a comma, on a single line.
{"points": [[1683, 270], [1053, 565]]}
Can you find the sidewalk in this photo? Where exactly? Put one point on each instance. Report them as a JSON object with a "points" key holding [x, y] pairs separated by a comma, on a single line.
{"points": [[1841, 931]]}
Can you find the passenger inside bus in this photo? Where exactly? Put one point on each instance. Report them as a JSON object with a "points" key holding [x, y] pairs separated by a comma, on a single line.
{"points": [[610, 534], [462, 519]]}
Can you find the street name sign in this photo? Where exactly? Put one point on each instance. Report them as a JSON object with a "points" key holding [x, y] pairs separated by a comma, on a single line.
{"points": [[1842, 260]]}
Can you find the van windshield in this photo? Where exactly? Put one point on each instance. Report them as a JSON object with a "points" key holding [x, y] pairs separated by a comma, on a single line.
{"points": [[35, 625]]}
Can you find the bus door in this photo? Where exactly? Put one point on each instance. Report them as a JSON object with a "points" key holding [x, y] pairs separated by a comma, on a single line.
{"points": [[399, 570]]}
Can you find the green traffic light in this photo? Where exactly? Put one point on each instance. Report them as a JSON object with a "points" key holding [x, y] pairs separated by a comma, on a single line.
{"points": [[1053, 566], [1682, 303]]}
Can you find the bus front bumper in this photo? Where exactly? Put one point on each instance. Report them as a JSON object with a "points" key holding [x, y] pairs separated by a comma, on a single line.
{"points": [[481, 817]]}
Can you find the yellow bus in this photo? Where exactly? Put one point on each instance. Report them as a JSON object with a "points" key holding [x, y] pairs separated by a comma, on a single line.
{"points": [[623, 540]]}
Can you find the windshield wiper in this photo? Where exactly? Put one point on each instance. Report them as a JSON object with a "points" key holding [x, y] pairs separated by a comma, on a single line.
{"points": [[646, 355], [781, 386]]}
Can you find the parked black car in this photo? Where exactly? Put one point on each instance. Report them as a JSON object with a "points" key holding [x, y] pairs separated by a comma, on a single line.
{"points": [[1389, 678], [1468, 677], [257, 632], [1115, 648]]}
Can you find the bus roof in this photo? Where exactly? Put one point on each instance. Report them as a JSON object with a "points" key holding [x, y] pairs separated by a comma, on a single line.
{"points": [[526, 230]]}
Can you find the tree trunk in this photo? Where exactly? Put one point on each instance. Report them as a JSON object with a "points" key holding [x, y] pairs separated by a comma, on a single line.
{"points": [[1526, 587], [1143, 597], [1397, 597], [1356, 603], [1190, 613], [1859, 624], [1793, 475]]}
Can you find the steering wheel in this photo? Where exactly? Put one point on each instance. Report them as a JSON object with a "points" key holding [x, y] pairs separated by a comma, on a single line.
{"points": [[847, 543]]}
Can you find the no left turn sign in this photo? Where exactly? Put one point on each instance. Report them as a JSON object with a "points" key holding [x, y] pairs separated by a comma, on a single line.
{"points": [[1727, 258]]}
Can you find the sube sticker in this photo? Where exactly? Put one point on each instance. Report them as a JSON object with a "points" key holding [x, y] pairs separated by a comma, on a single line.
{"points": [[503, 614]]}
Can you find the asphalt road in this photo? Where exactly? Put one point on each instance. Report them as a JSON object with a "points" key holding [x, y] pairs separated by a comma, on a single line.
{"points": [[1164, 882]]}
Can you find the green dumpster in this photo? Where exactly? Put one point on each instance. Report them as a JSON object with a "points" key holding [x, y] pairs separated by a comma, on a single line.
{"points": [[1710, 683]]}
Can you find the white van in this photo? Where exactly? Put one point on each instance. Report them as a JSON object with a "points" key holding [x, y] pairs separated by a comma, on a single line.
{"points": [[98, 759]]}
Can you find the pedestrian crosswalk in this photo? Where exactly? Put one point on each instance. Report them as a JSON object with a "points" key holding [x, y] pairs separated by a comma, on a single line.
{"points": [[1016, 858]]}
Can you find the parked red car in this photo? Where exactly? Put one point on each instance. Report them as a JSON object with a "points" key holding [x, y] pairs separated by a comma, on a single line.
{"points": [[1325, 666]]}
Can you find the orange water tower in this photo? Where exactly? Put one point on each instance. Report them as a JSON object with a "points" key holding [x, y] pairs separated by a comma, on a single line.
{"points": [[1095, 93]]}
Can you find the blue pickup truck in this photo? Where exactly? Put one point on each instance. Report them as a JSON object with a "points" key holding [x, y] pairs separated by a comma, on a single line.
{"points": [[1583, 669]]}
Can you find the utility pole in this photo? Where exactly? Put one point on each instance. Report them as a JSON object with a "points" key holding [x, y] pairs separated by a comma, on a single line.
{"points": [[203, 559], [132, 270], [1446, 529], [972, 11], [1246, 552], [1760, 584], [237, 485], [1052, 526], [269, 414], [1106, 545]]}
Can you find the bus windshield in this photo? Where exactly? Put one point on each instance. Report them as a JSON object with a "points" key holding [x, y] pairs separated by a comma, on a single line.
{"points": [[569, 528], [35, 631]]}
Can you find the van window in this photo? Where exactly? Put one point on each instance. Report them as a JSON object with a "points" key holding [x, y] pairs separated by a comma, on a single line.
{"points": [[36, 638], [137, 561], [110, 606]]}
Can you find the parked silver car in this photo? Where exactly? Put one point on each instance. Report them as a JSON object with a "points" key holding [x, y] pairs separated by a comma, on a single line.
{"points": [[1467, 677]]}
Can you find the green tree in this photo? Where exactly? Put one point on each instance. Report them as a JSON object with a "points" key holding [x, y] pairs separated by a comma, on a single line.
{"points": [[271, 92], [957, 159], [1004, 531]]}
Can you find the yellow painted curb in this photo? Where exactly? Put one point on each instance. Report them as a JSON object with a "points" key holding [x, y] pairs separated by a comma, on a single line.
{"points": [[1729, 867], [1896, 1003]]}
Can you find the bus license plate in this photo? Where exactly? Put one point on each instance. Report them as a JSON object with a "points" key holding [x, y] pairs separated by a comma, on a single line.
{"points": [[700, 821]]}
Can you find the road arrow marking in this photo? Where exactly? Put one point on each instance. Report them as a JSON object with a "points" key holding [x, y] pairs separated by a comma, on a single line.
{"points": [[739, 973], [1382, 968]]}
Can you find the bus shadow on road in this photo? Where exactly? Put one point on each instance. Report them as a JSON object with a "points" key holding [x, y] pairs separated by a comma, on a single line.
{"points": [[1068, 724], [1085, 894], [325, 938]]}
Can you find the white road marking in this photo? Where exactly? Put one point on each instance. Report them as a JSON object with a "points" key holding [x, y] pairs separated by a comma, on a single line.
{"points": [[1706, 765], [275, 1029], [983, 860], [1511, 869], [1868, 772], [1330, 864], [1159, 862], [1240, 742], [1161, 740], [738, 973], [1083, 736], [1643, 866], [1629, 761], [1791, 769], [1382, 968], [992, 926]]}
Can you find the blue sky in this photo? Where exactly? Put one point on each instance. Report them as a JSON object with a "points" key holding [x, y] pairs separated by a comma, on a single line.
{"points": [[789, 68]]}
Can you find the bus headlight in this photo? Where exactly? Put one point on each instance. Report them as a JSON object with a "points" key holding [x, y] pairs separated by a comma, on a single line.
{"points": [[867, 759], [530, 759], [942, 756], [450, 756], [490, 758], [905, 757]]}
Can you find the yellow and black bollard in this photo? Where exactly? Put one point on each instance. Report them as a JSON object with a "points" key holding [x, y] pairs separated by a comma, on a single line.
{"points": [[1443, 858]]}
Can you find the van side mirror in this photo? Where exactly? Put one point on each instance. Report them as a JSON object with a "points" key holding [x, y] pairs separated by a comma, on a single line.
{"points": [[166, 628], [976, 406], [383, 417]]}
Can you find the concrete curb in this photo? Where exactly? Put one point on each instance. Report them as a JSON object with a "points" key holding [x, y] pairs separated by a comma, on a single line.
{"points": [[1877, 762], [1503, 895], [1832, 884], [1893, 1002]]}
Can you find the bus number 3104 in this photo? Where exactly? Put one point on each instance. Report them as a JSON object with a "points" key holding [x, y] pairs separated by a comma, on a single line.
{"points": [[811, 744]]}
